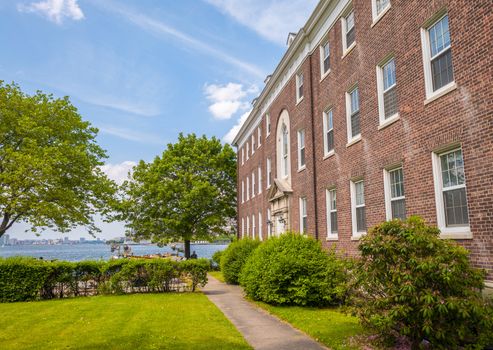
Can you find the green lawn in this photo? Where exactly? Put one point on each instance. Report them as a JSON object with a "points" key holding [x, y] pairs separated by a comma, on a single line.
{"points": [[144, 321], [217, 275], [329, 326]]}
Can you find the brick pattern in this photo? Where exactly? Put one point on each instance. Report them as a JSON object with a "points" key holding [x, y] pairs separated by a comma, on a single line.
{"points": [[463, 117]]}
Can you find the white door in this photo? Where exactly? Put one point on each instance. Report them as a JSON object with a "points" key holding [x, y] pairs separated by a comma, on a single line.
{"points": [[280, 225]]}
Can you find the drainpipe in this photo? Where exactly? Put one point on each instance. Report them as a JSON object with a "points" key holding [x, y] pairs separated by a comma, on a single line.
{"points": [[312, 112]]}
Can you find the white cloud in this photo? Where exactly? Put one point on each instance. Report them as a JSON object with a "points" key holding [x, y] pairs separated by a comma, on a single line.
{"points": [[229, 137], [132, 135], [55, 10], [227, 99], [118, 172], [162, 29], [272, 19]]}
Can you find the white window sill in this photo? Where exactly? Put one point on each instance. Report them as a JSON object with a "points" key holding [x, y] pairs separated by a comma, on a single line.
{"points": [[357, 235], [332, 238], [354, 140], [348, 50], [268, 187], [456, 233], [388, 121], [324, 75], [302, 168], [328, 155], [441, 92], [488, 284], [379, 17], [299, 100]]}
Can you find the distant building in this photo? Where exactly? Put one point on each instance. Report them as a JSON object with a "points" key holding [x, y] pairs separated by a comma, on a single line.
{"points": [[379, 109]]}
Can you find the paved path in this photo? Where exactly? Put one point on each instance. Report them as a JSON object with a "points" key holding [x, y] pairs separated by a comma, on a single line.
{"points": [[260, 329]]}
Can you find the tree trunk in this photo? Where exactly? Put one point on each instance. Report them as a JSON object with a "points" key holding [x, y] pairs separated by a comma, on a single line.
{"points": [[187, 249]]}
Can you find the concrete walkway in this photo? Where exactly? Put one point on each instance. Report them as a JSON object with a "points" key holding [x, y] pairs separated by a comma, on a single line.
{"points": [[260, 329]]}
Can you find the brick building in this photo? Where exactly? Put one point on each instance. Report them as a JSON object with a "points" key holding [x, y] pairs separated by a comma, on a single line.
{"points": [[378, 109]]}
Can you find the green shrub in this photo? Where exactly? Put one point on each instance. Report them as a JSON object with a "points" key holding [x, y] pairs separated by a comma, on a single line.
{"points": [[294, 270], [235, 256], [196, 270], [216, 260], [412, 283]]}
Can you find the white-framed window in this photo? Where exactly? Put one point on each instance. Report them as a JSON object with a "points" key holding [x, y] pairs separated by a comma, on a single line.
{"points": [[253, 226], [248, 226], [328, 126], [285, 151], [267, 125], [353, 115], [242, 156], [388, 106], [259, 136], [450, 194], [259, 179], [253, 144], [303, 215], [253, 184], [269, 172], [242, 191], [247, 188], [378, 8], [348, 31], [358, 210], [395, 199], [301, 150], [299, 86], [324, 59], [332, 227], [269, 224], [242, 227], [260, 226], [437, 57], [247, 148]]}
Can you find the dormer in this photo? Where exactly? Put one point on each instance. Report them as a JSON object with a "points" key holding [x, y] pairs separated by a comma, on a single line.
{"points": [[291, 37], [267, 79]]}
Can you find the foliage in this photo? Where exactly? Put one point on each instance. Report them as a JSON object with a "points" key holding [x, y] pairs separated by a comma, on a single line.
{"points": [[50, 172], [23, 279], [294, 270], [410, 282], [235, 256], [216, 260], [187, 193], [329, 326], [217, 275], [128, 322]]}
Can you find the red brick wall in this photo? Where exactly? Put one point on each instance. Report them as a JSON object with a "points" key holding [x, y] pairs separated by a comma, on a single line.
{"points": [[463, 116]]}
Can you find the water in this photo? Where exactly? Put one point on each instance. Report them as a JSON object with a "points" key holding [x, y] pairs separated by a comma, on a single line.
{"points": [[78, 252]]}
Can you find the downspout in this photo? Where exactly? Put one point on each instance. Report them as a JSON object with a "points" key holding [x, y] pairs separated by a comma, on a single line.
{"points": [[312, 107]]}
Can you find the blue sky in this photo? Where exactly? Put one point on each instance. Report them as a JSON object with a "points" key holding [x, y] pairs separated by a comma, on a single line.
{"points": [[143, 71]]}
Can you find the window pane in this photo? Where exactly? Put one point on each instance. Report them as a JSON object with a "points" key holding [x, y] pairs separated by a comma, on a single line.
{"points": [[330, 140], [349, 21], [304, 224], [455, 203], [333, 200], [326, 57], [355, 125], [389, 75], [302, 157], [381, 5], [442, 70], [360, 193], [333, 222], [399, 209], [360, 219], [354, 101], [390, 103], [397, 183], [452, 169], [439, 36]]}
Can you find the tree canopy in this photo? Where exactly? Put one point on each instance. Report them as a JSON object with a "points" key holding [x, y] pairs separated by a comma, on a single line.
{"points": [[189, 193], [50, 174]]}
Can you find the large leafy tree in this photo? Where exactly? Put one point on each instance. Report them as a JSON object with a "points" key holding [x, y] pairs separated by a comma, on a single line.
{"points": [[187, 193], [50, 173]]}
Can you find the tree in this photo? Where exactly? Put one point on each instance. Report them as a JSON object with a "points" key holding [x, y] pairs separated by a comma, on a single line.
{"points": [[187, 193], [49, 164]]}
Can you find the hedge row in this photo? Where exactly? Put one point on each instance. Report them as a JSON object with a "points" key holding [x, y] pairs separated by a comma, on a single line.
{"points": [[23, 279]]}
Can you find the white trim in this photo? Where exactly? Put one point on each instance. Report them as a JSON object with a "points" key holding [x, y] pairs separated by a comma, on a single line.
{"points": [[269, 226], [242, 227], [388, 191], [326, 130], [242, 191], [260, 226], [425, 46], [349, 50], [253, 144], [267, 125], [253, 226], [389, 121], [329, 210], [328, 155], [247, 151], [248, 226], [377, 17], [300, 77], [268, 170], [303, 205], [253, 184], [324, 73], [242, 156], [383, 122], [247, 188], [259, 136], [259, 179], [350, 138], [300, 148], [346, 49], [459, 232], [355, 234]]}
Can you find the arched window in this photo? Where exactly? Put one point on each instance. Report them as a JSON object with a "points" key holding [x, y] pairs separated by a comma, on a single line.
{"points": [[283, 148]]}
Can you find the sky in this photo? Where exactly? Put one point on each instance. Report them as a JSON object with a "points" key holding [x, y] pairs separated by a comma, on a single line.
{"points": [[142, 71]]}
